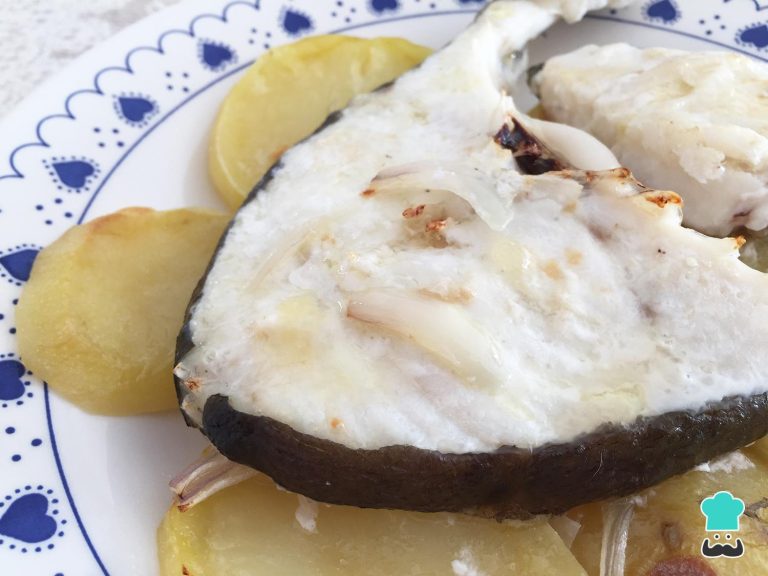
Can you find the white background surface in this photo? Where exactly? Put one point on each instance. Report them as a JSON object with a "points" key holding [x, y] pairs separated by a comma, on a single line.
{"points": [[39, 37]]}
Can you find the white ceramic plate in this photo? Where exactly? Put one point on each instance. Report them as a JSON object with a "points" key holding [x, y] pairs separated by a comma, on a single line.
{"points": [[127, 124]]}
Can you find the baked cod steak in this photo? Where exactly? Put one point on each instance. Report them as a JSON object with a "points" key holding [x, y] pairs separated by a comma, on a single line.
{"points": [[436, 303], [693, 121]]}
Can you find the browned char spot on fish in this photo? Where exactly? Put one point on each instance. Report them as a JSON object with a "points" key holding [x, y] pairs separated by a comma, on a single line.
{"points": [[531, 155]]}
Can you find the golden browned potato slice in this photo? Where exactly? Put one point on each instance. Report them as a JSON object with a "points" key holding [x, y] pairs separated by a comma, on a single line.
{"points": [[668, 528], [288, 93], [99, 316], [253, 530]]}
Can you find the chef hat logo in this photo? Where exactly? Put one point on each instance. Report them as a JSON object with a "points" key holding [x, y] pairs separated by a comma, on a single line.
{"points": [[722, 512]]}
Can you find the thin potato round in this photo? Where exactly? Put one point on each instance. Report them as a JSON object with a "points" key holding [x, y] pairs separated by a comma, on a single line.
{"points": [[288, 93], [253, 529], [667, 528], [760, 450], [99, 316]]}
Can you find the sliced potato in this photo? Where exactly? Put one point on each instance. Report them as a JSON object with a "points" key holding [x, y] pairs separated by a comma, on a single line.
{"points": [[288, 93], [759, 452], [99, 316], [668, 528], [252, 530]]}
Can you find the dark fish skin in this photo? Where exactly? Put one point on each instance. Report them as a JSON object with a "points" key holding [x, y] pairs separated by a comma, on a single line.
{"points": [[507, 483]]}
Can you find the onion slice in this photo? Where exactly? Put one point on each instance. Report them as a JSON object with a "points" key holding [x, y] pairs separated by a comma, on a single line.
{"points": [[476, 188], [578, 148], [207, 475], [617, 516], [443, 329], [566, 528]]}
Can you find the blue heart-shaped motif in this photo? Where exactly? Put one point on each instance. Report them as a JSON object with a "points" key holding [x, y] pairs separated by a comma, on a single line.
{"points": [[471, 1], [11, 386], [295, 22], [216, 56], [384, 5], [73, 173], [664, 10], [757, 36], [26, 520], [135, 109], [19, 264]]}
